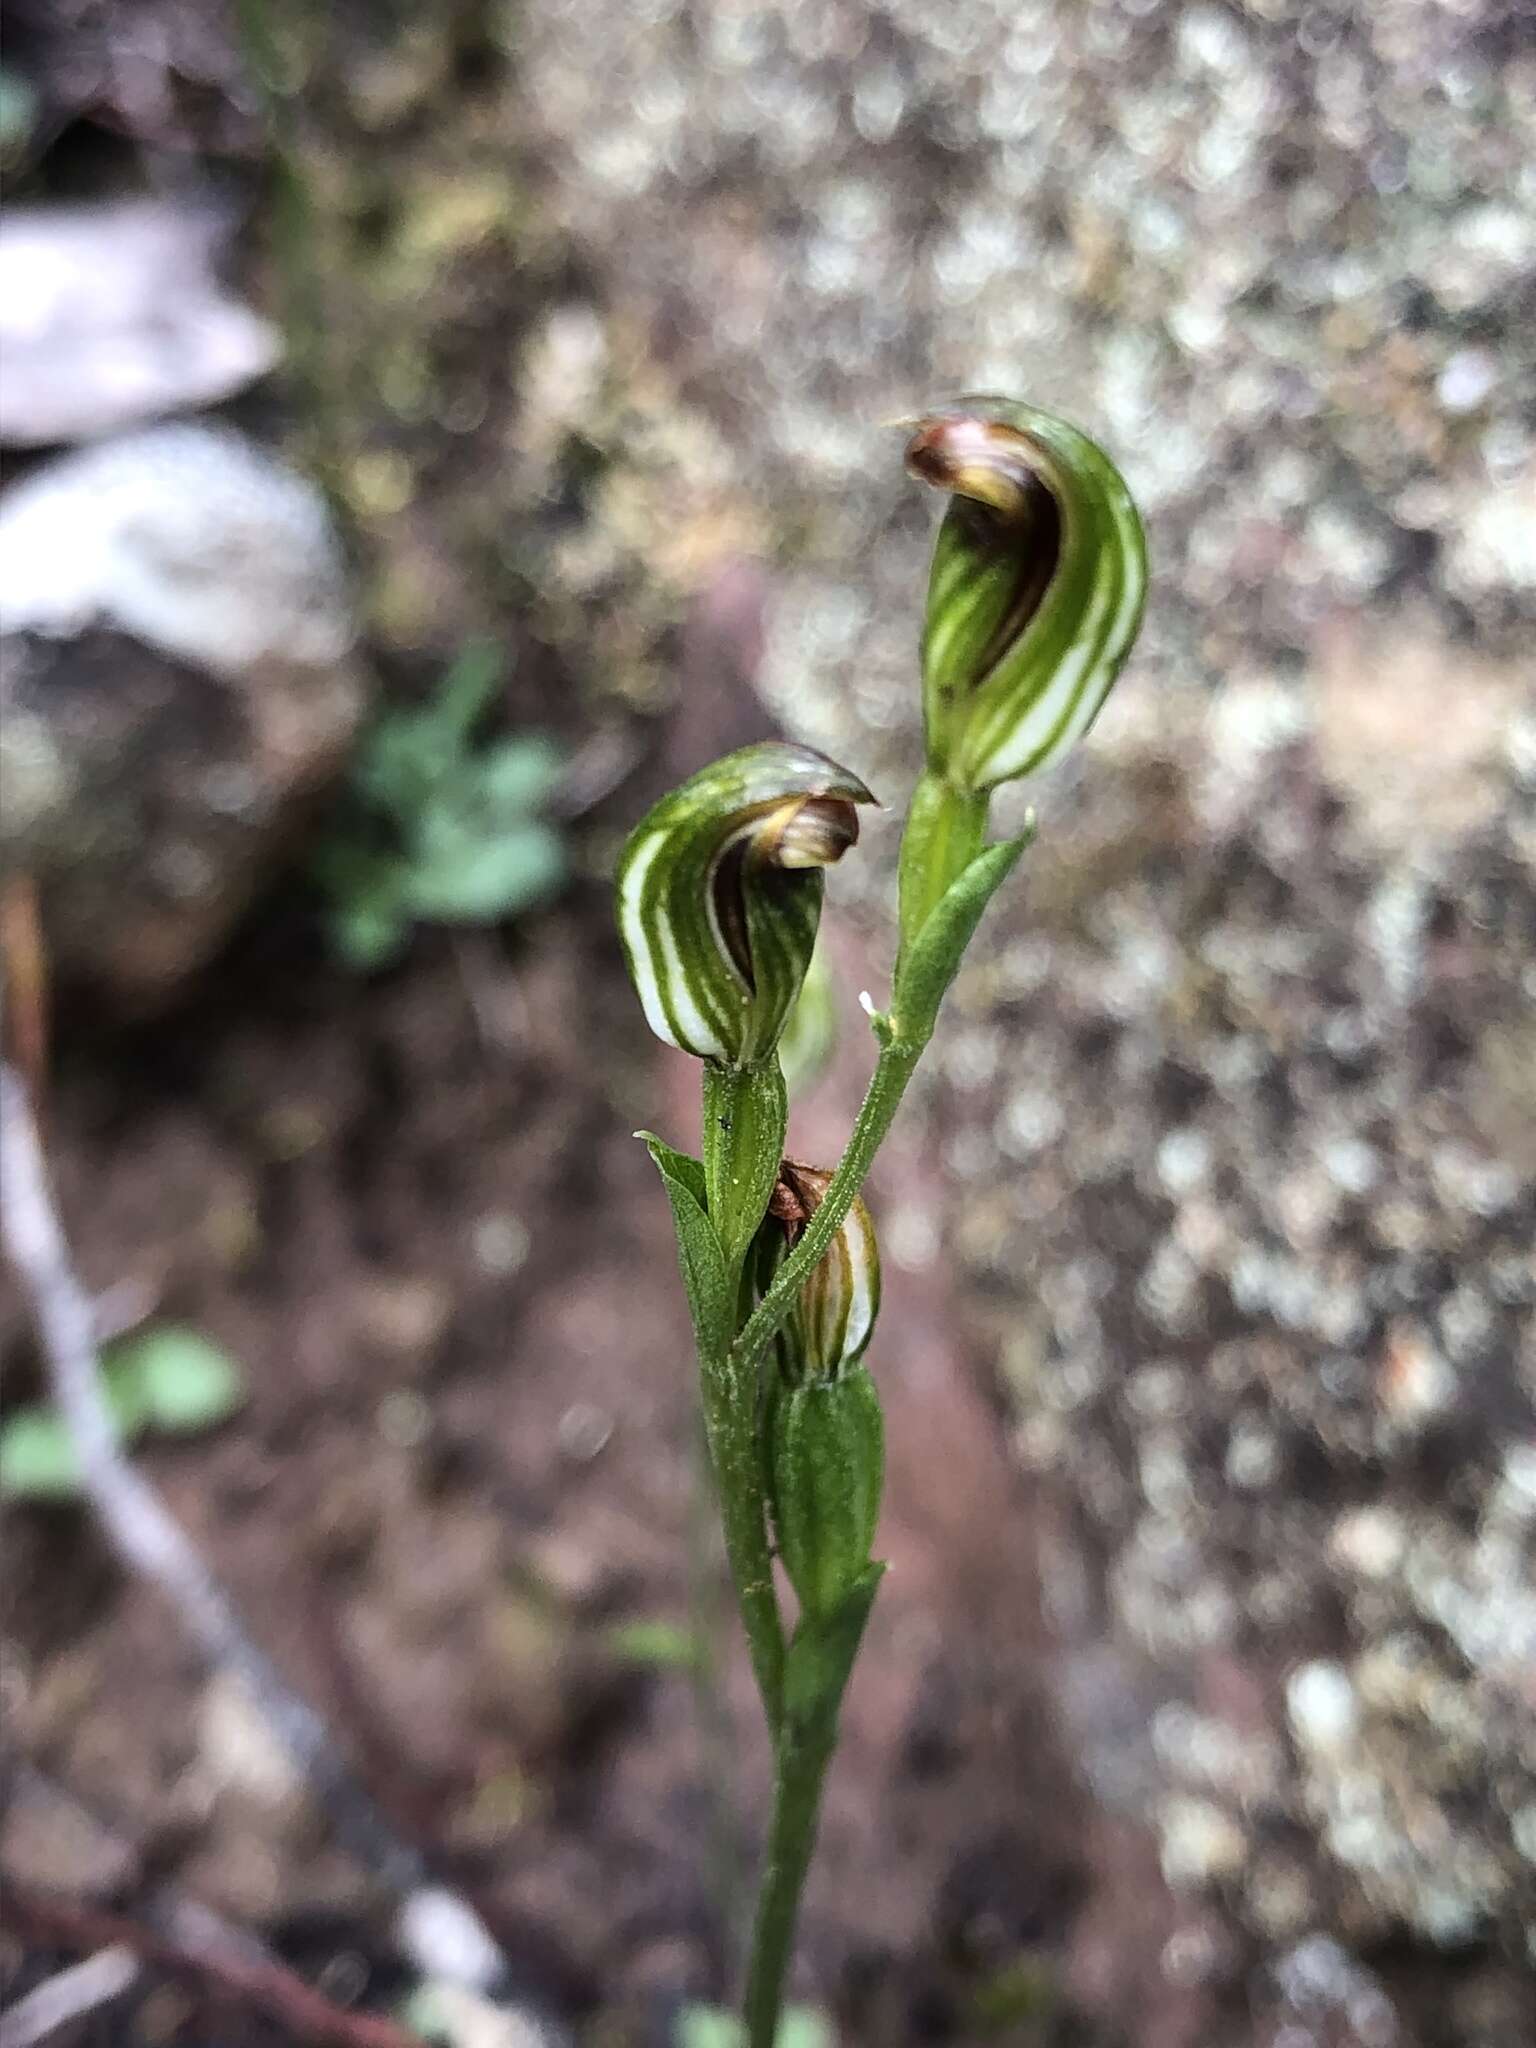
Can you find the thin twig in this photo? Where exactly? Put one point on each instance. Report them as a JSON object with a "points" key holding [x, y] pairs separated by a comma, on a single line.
{"points": [[69, 1995], [441, 1932], [135, 1519], [594, 772], [266, 1985], [24, 981]]}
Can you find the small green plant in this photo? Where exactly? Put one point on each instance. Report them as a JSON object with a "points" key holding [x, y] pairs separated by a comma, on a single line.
{"points": [[165, 1381], [438, 829], [1034, 602]]}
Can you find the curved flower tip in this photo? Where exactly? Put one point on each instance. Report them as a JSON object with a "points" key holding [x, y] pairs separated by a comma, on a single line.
{"points": [[1036, 594], [719, 895]]}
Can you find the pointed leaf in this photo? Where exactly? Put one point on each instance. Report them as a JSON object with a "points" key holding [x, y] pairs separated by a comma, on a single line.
{"points": [[679, 1165], [820, 1660], [934, 959], [698, 1249]]}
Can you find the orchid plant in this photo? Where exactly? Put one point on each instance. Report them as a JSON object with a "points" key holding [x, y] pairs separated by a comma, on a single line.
{"points": [[1034, 602]]}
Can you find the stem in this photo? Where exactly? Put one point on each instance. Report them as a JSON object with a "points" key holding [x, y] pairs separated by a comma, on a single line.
{"points": [[744, 1117], [800, 1769], [945, 830], [820, 1662], [745, 1114], [893, 1070], [729, 1390], [709, 1612]]}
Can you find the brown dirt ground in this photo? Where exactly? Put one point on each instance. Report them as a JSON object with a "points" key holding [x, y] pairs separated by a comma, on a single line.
{"points": [[333, 1177]]}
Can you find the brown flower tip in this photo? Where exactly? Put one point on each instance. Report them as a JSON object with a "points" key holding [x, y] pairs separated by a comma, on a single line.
{"points": [[813, 833]]}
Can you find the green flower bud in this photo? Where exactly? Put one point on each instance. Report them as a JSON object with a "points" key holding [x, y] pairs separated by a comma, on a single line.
{"points": [[719, 890], [826, 1463], [829, 1328], [824, 1437], [1035, 597]]}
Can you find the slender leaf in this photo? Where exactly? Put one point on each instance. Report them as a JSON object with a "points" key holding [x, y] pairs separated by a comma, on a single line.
{"points": [[698, 1249], [934, 958]]}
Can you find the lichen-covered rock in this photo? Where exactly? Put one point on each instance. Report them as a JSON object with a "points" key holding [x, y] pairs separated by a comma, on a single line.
{"points": [[1241, 1102], [1251, 1150], [178, 685]]}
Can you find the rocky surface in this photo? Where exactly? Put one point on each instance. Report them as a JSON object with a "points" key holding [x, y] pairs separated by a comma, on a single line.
{"points": [[1249, 1172], [113, 313], [178, 687], [1241, 1111]]}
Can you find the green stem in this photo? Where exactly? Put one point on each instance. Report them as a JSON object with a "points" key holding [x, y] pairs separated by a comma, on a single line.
{"points": [[820, 1663], [745, 1114], [800, 1769], [729, 1391], [710, 1610], [744, 1118], [945, 830]]}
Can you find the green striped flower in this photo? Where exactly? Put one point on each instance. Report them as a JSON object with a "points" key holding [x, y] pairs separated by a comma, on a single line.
{"points": [[719, 895], [1035, 598]]}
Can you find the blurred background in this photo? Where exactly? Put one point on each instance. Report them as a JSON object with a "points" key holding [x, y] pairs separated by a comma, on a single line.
{"points": [[432, 431]]}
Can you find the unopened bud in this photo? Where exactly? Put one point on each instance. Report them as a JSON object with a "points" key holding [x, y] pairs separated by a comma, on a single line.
{"points": [[829, 1328], [824, 1435], [826, 1464]]}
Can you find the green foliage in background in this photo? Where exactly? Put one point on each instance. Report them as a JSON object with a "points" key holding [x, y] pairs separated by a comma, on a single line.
{"points": [[708, 2026], [657, 1645], [165, 1381], [18, 116], [810, 1036], [439, 830]]}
